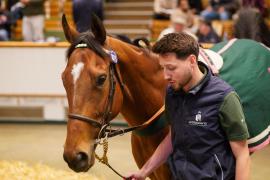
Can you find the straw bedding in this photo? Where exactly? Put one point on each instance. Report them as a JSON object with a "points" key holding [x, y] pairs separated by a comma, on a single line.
{"points": [[17, 170]]}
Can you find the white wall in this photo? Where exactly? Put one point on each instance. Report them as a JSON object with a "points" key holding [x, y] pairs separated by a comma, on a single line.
{"points": [[31, 70], [34, 71]]}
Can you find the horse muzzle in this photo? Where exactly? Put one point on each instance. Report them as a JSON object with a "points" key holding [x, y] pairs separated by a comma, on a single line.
{"points": [[80, 161]]}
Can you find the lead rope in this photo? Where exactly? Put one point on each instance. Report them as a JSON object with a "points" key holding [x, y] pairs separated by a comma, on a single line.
{"points": [[104, 158], [104, 141]]}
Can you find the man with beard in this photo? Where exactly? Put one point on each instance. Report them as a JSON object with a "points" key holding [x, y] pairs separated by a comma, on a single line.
{"points": [[208, 136]]}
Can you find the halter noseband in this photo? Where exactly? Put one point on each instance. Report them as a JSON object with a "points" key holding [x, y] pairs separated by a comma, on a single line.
{"points": [[86, 119]]}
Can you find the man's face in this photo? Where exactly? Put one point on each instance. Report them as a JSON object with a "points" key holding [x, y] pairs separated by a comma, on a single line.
{"points": [[177, 72], [184, 5], [204, 29], [178, 27]]}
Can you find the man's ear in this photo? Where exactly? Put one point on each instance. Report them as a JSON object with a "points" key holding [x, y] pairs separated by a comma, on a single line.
{"points": [[193, 59]]}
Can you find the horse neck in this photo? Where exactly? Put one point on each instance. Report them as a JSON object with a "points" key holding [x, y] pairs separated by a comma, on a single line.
{"points": [[143, 79]]}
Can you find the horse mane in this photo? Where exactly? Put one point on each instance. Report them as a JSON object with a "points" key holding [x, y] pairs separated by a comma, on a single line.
{"points": [[250, 25], [123, 38], [87, 38], [140, 42], [133, 44]]}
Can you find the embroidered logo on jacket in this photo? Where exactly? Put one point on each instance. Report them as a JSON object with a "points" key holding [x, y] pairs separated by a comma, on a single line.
{"points": [[198, 116], [197, 120]]}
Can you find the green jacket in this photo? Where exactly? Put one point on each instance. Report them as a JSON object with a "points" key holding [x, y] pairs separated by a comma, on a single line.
{"points": [[34, 7]]}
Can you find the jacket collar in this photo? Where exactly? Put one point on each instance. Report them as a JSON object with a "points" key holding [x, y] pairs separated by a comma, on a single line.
{"points": [[205, 70]]}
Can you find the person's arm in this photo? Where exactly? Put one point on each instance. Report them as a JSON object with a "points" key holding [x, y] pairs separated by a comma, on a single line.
{"points": [[157, 159], [241, 154], [232, 120]]}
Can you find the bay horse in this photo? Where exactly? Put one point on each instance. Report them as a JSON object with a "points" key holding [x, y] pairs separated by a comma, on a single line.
{"points": [[104, 77]]}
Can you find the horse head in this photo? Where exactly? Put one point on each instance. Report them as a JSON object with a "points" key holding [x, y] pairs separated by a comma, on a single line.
{"points": [[94, 96]]}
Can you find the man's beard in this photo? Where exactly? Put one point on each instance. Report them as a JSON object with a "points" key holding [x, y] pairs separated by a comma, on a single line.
{"points": [[177, 86]]}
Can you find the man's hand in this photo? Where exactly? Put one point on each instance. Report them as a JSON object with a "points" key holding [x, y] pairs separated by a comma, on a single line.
{"points": [[160, 155], [135, 176]]}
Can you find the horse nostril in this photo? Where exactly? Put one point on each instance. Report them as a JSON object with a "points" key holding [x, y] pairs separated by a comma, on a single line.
{"points": [[80, 162], [81, 157]]}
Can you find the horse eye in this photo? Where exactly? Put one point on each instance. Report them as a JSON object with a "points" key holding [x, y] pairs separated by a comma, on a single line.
{"points": [[101, 79]]}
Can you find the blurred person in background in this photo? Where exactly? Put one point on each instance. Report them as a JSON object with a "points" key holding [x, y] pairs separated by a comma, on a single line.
{"points": [[33, 20], [192, 19], [16, 8], [10, 3], [178, 24], [82, 10], [250, 24], [163, 8], [258, 4], [6, 21], [195, 6], [220, 9], [206, 33]]}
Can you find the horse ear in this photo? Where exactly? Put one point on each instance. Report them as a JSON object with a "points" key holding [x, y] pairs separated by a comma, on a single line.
{"points": [[98, 29], [70, 33]]}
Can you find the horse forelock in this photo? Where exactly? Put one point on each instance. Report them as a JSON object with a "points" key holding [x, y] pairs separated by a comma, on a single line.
{"points": [[88, 39]]}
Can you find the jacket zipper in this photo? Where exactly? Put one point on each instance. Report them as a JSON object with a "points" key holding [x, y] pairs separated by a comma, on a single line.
{"points": [[218, 162]]}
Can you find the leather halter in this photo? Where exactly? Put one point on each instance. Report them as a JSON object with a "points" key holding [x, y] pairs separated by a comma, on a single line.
{"points": [[104, 132], [107, 115], [108, 110]]}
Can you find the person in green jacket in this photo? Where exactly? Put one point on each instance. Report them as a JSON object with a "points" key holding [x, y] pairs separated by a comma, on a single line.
{"points": [[33, 20]]}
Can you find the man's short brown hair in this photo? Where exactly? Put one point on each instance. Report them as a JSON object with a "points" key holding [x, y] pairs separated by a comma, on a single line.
{"points": [[181, 44]]}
